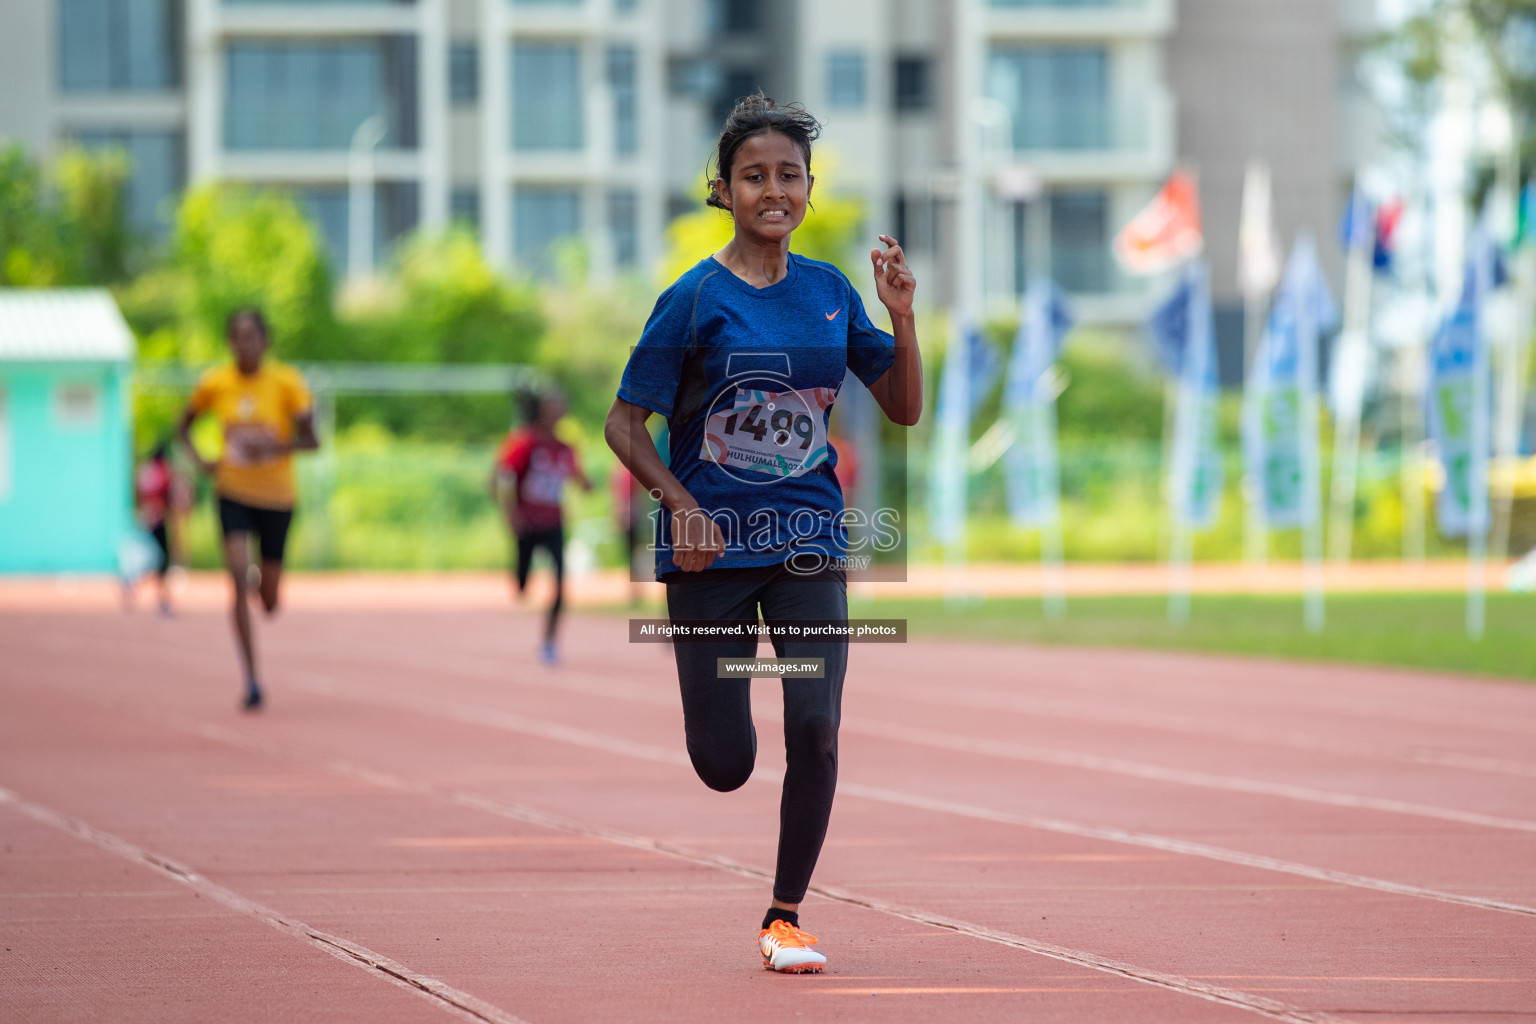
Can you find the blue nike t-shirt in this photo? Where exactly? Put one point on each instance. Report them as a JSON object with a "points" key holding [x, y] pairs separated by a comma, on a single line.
{"points": [[746, 378]]}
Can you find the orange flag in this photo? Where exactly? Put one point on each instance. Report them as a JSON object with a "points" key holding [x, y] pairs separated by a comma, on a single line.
{"points": [[1166, 233]]}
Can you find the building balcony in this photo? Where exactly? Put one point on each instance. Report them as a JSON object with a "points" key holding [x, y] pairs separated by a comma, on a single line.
{"points": [[308, 166], [565, 17], [1074, 19], [277, 18], [1076, 141]]}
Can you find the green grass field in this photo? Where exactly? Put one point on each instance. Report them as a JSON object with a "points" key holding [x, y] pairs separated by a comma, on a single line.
{"points": [[1425, 631]]}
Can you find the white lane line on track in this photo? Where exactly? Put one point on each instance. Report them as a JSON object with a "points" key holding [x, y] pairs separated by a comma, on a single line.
{"points": [[601, 686], [1168, 675], [479, 667], [1326, 701], [491, 667], [440, 994], [1052, 707], [1177, 776], [1264, 1006], [489, 718]]}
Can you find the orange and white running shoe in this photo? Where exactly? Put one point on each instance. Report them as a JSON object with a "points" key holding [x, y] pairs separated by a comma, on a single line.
{"points": [[786, 949]]}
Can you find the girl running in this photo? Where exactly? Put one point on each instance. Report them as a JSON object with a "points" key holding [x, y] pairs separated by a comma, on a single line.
{"points": [[744, 356], [157, 497], [531, 470], [265, 409]]}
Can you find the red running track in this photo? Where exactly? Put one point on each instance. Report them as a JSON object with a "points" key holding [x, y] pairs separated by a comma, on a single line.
{"points": [[425, 824]]}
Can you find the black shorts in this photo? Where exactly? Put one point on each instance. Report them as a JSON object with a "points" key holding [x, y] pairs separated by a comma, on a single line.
{"points": [[163, 542], [270, 525], [551, 540]]}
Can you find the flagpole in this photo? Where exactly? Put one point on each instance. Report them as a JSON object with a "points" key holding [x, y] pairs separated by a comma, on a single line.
{"points": [[1308, 331], [1516, 376], [1412, 457], [1185, 467], [1257, 275], [1510, 403], [1052, 556], [949, 468], [1481, 269], [1053, 592], [1354, 345], [1255, 531], [1477, 532], [1167, 233], [1181, 537]]}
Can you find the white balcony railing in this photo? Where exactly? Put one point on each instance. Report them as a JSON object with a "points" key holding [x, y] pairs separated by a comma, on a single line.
{"points": [[1077, 131]]}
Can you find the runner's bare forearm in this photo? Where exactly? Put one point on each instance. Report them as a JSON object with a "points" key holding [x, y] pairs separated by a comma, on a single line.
{"points": [[899, 391], [304, 437], [625, 433]]}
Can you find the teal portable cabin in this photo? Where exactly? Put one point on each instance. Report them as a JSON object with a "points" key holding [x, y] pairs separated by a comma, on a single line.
{"points": [[65, 437]]}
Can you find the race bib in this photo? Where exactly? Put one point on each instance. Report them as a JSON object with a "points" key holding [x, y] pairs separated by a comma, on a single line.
{"points": [[248, 444], [545, 478], [781, 434]]}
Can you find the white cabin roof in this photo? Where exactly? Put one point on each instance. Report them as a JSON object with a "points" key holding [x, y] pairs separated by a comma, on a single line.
{"points": [[62, 325]]}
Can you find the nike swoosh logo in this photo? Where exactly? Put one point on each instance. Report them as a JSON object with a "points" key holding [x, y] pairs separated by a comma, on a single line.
{"points": [[833, 315]]}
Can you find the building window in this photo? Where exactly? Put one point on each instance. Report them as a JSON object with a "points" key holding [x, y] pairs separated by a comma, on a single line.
{"points": [[546, 96], [845, 78], [912, 216], [681, 206], [1080, 240], [1054, 3], [733, 17], [302, 3], [313, 95], [623, 84], [463, 73], [693, 77], [624, 227], [77, 405], [734, 84], [156, 173], [543, 218], [624, 6], [464, 206], [396, 213], [127, 45], [912, 85], [1058, 95], [547, 3]]}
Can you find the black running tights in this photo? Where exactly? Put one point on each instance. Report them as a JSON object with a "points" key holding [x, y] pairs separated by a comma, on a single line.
{"points": [[717, 713]]}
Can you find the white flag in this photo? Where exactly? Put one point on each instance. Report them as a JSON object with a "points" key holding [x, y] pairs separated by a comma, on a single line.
{"points": [[1258, 254], [1031, 465], [1279, 408], [1183, 330], [1459, 405], [951, 439]]}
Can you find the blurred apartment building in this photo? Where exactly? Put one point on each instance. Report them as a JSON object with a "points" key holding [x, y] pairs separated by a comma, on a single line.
{"points": [[540, 120]]}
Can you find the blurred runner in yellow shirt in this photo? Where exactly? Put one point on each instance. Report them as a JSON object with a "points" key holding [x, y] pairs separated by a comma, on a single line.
{"points": [[266, 412]]}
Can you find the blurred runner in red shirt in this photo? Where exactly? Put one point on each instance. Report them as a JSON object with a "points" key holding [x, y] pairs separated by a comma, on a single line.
{"points": [[531, 470], [156, 496]]}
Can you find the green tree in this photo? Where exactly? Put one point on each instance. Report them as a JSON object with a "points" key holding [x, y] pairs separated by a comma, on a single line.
{"points": [[439, 302], [238, 246], [63, 224], [591, 332], [1504, 35]]}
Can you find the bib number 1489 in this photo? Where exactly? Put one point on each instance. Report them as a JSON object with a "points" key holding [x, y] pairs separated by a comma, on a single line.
{"points": [[780, 434], [783, 424]]}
